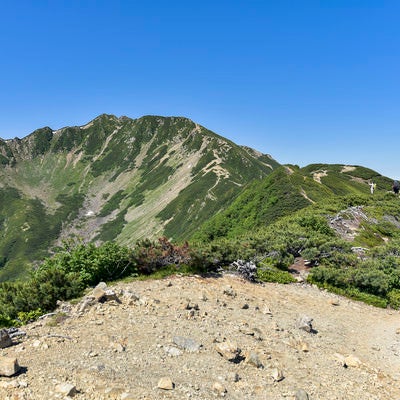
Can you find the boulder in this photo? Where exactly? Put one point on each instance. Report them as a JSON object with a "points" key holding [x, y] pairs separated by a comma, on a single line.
{"points": [[8, 366], [5, 339]]}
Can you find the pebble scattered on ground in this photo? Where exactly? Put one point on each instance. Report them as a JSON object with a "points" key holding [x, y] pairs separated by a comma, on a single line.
{"points": [[204, 338]]}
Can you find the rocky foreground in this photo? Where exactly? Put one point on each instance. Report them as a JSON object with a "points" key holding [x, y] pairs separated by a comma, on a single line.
{"points": [[204, 338]]}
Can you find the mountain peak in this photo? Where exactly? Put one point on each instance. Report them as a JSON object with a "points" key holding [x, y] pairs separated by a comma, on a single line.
{"points": [[117, 178]]}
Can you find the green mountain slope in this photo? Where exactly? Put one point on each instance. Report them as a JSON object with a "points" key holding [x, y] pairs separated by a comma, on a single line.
{"points": [[115, 178], [286, 190], [320, 220]]}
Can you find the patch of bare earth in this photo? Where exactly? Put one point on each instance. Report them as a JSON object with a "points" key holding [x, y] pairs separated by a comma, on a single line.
{"points": [[209, 338], [347, 168], [319, 174], [304, 194]]}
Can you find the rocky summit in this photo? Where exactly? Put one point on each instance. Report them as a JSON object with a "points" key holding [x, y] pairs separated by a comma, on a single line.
{"points": [[205, 338]]}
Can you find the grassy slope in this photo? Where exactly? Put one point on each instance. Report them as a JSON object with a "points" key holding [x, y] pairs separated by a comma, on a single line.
{"points": [[136, 177], [283, 192]]}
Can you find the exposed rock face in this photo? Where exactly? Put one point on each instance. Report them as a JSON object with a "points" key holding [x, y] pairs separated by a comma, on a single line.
{"points": [[347, 222], [146, 347]]}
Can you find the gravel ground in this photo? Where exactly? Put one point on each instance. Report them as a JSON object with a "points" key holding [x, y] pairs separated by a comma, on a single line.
{"points": [[209, 338]]}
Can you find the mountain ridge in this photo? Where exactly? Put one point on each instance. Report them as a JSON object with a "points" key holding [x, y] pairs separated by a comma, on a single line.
{"points": [[118, 178], [286, 190], [122, 179]]}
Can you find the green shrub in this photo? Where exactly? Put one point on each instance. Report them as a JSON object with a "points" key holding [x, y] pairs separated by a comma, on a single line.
{"points": [[25, 317], [152, 256], [107, 262], [394, 298], [274, 275]]}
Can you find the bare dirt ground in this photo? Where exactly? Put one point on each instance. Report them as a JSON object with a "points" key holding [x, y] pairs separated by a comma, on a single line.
{"points": [[172, 328]]}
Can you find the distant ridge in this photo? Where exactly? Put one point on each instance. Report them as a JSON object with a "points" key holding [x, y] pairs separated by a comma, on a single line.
{"points": [[286, 190]]}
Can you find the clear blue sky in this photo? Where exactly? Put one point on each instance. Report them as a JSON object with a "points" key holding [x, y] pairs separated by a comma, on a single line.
{"points": [[303, 80]]}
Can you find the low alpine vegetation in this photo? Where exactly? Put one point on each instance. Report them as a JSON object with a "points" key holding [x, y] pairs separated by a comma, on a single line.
{"points": [[78, 265]]}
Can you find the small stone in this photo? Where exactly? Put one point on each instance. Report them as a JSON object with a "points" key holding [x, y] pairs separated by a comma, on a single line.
{"points": [[99, 294], [252, 358], [398, 331], [352, 361], [111, 295], [267, 311], [173, 351], [219, 389], [246, 330], [245, 306], [299, 345], [229, 291], [8, 366], [305, 323], [36, 343], [117, 347], [131, 298], [113, 391], [165, 383], [275, 326], [258, 334], [334, 302], [15, 332], [340, 359], [101, 285], [349, 361], [192, 306], [23, 384], [66, 389], [5, 339], [277, 374], [229, 350], [301, 395], [234, 377], [303, 346], [128, 396], [187, 344], [86, 303]]}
